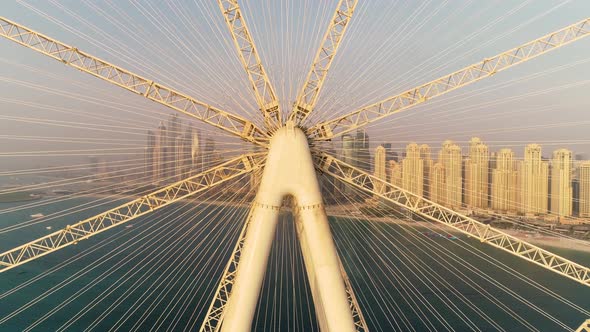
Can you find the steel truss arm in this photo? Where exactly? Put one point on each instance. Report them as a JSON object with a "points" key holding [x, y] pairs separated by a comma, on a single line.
{"points": [[131, 210], [214, 316], [73, 57], [357, 315], [362, 117], [308, 96], [457, 221], [585, 327], [263, 90]]}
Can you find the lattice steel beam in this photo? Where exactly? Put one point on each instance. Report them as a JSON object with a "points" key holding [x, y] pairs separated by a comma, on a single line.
{"points": [[214, 316], [585, 327], [177, 101], [436, 212], [263, 90], [471, 74], [357, 315], [129, 211], [308, 96]]}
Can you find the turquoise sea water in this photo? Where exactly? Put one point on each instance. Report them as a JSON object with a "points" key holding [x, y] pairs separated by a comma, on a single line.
{"points": [[160, 274]]}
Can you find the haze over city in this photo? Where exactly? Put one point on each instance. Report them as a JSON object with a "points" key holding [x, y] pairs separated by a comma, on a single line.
{"points": [[257, 165], [390, 46]]}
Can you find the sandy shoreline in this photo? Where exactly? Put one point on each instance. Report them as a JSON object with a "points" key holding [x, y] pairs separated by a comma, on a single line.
{"points": [[543, 241], [352, 212]]}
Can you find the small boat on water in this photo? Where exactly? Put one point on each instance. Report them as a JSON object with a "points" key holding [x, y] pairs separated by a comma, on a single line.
{"points": [[128, 226], [37, 215], [48, 227]]}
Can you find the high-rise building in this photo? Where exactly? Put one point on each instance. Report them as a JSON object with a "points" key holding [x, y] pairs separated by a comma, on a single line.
{"points": [[196, 154], [348, 156], [149, 155], [425, 155], [476, 174], [361, 149], [492, 166], [186, 154], [534, 181], [178, 160], [584, 180], [437, 184], [452, 161], [504, 182], [209, 153], [561, 183], [575, 196], [347, 152], [171, 156], [413, 170], [380, 167], [160, 149], [328, 184], [395, 173], [389, 153]]}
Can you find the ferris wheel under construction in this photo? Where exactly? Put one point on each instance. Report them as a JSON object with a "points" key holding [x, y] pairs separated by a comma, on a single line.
{"points": [[290, 156]]}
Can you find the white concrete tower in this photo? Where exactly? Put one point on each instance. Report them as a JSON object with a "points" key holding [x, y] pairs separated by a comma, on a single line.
{"points": [[289, 170]]}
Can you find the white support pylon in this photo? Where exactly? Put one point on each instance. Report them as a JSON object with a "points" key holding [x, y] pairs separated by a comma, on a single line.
{"points": [[289, 170]]}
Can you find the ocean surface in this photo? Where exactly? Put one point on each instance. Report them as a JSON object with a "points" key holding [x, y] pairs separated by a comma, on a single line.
{"points": [[160, 274]]}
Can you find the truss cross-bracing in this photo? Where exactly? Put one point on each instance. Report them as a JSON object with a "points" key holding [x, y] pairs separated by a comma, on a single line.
{"points": [[289, 167]]}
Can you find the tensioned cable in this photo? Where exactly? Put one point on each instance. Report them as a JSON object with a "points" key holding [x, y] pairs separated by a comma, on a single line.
{"points": [[353, 86], [89, 205], [528, 280], [84, 178], [345, 197], [459, 97], [87, 38], [69, 29], [89, 267], [103, 102], [145, 275], [95, 101], [80, 255], [521, 205], [231, 214]]}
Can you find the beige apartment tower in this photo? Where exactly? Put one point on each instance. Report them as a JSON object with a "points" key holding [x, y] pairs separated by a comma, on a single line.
{"points": [[534, 181], [585, 189], [160, 154], [413, 170], [380, 171], [561, 183], [437, 183], [395, 173], [451, 160], [504, 182], [476, 174], [425, 155]]}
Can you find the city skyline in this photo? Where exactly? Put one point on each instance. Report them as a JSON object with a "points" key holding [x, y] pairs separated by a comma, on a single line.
{"points": [[373, 190], [481, 180], [527, 110]]}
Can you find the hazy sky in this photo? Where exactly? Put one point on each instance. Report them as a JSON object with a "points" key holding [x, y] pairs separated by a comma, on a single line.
{"points": [[391, 46]]}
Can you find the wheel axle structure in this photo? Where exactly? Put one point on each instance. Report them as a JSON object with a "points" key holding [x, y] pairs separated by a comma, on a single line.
{"points": [[289, 168]]}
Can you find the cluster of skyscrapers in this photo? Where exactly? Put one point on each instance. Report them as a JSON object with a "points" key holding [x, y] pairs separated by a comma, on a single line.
{"points": [[480, 179], [174, 152]]}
